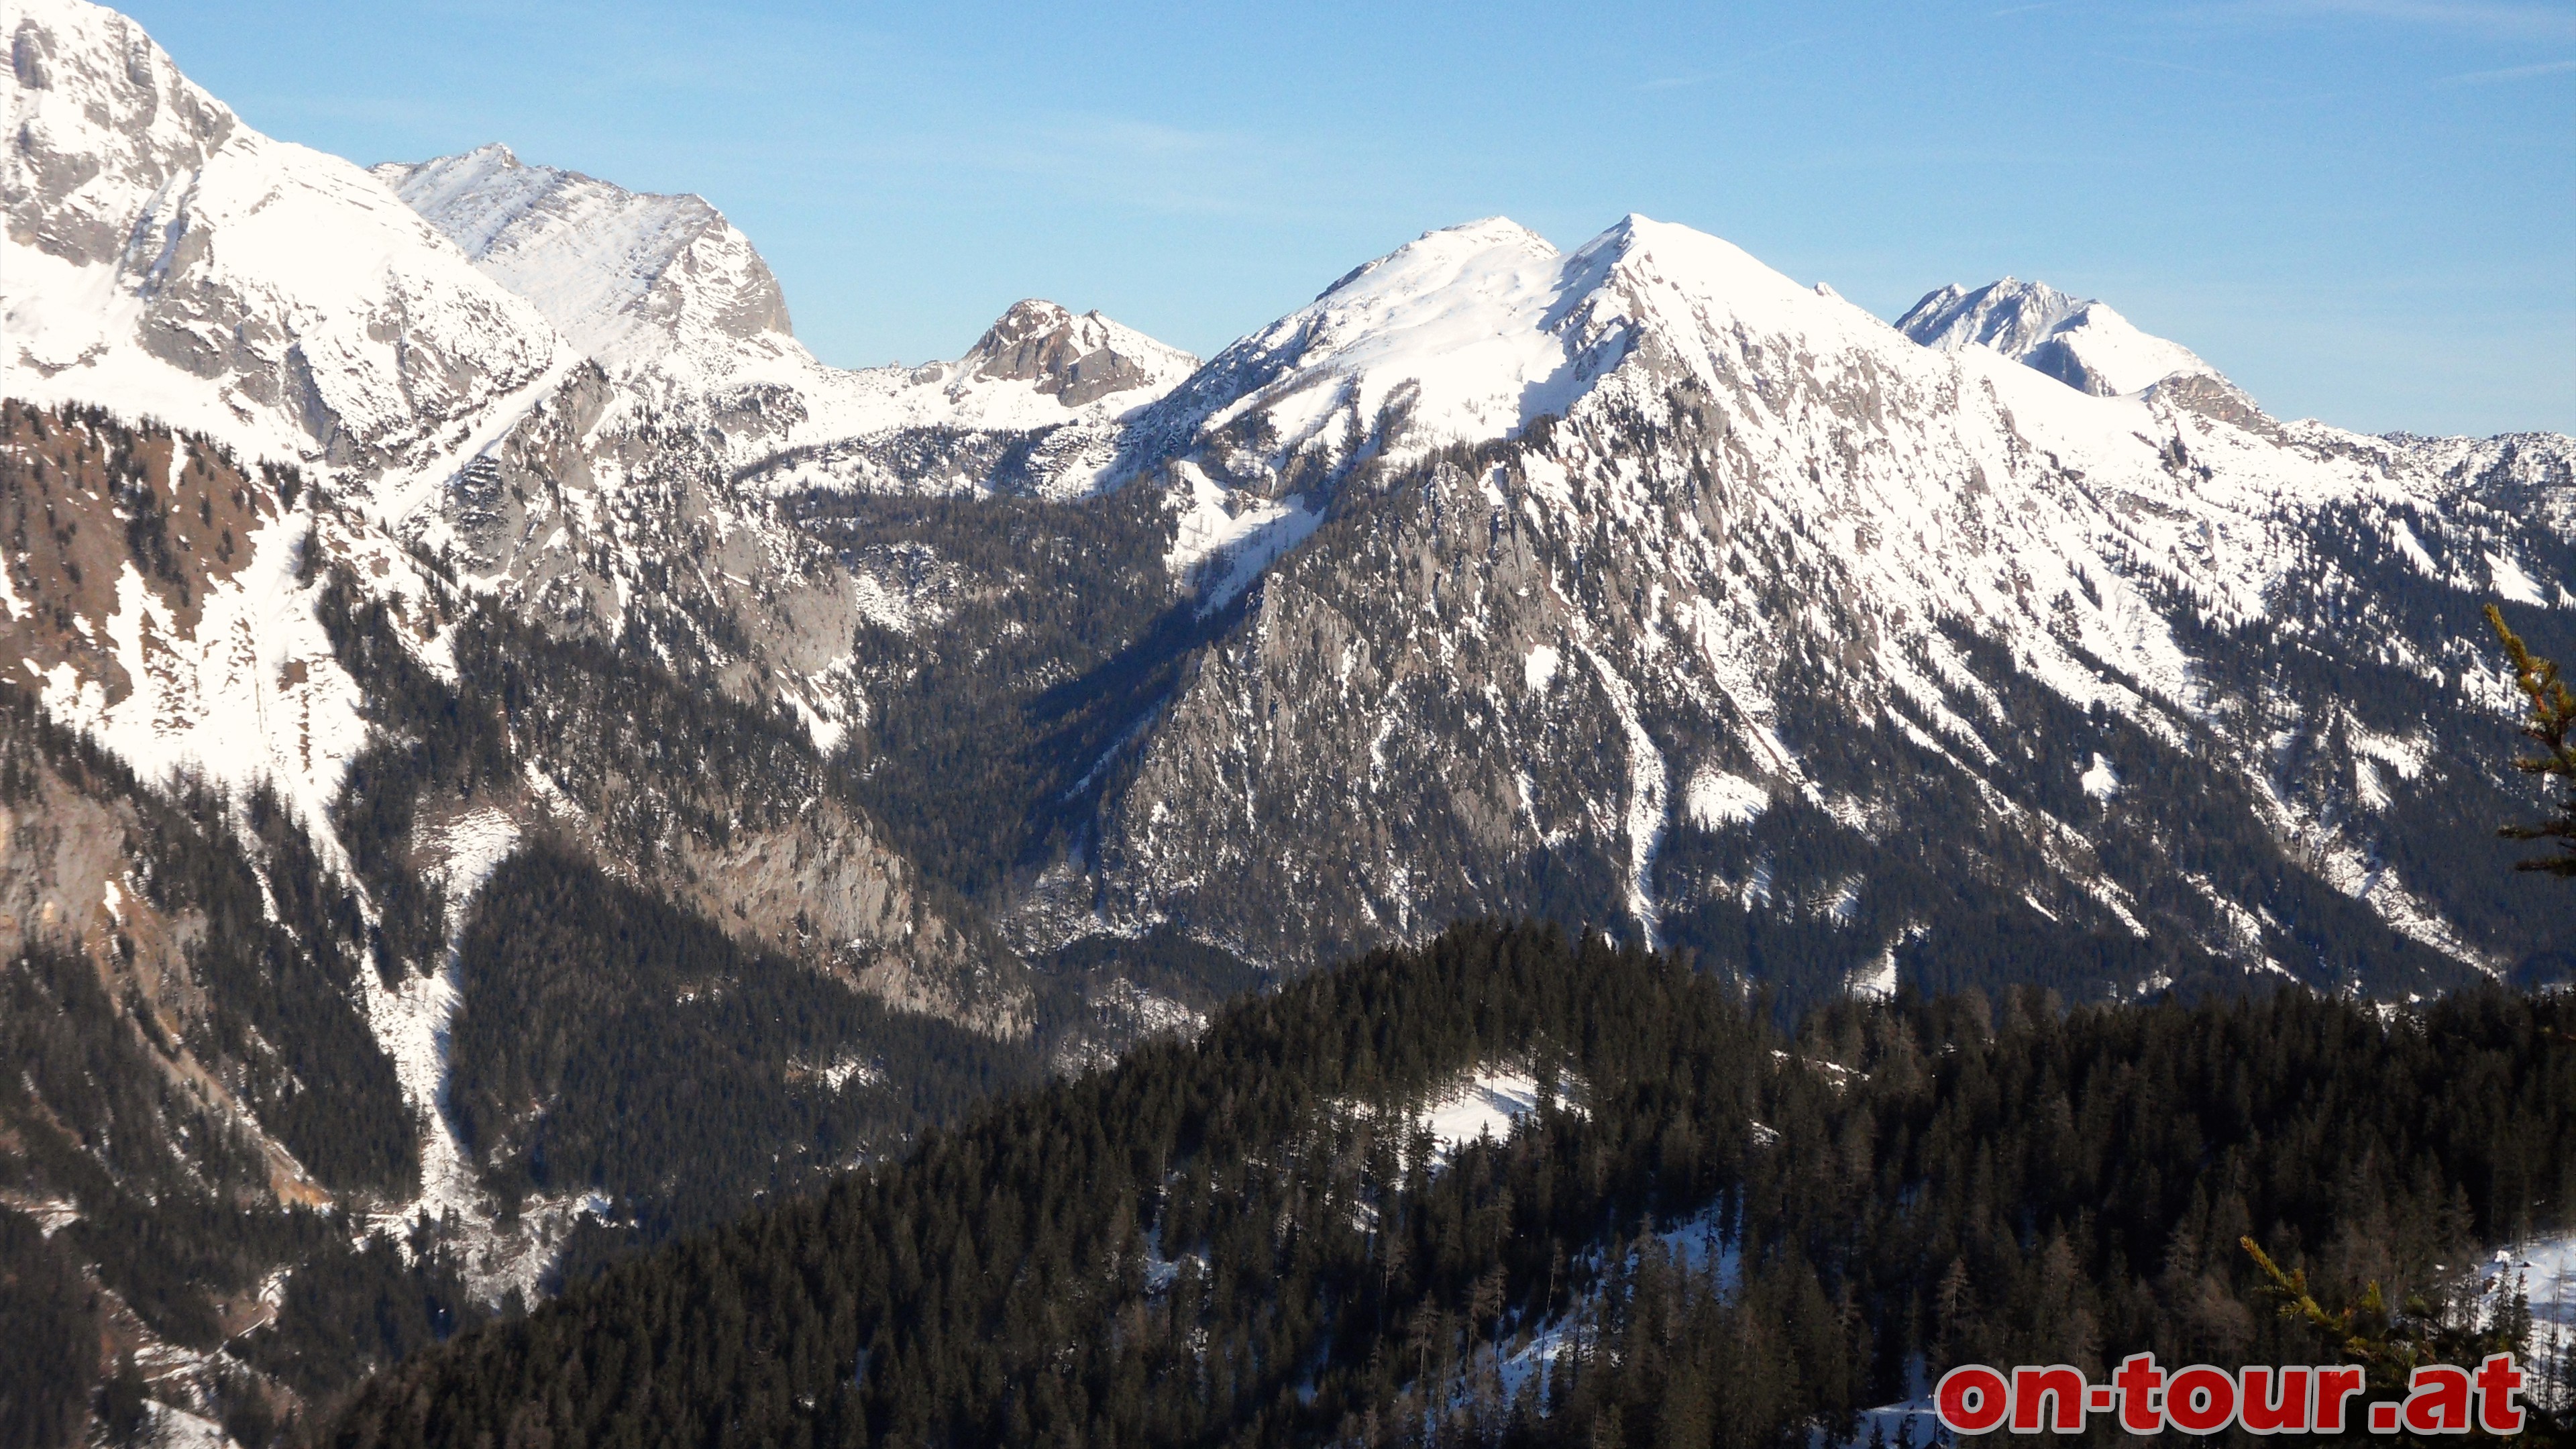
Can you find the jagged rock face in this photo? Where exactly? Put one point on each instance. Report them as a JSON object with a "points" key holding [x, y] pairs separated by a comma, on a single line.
{"points": [[99, 119], [2083, 344], [1075, 360], [630, 278]]}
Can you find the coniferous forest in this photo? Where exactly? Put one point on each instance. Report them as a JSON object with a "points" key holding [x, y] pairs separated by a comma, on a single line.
{"points": [[1710, 1230], [1578, 847]]}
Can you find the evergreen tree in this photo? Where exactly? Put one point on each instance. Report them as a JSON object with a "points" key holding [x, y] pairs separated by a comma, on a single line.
{"points": [[2552, 726]]}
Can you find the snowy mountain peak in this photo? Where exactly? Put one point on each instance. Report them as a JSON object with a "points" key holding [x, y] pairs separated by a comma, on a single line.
{"points": [[1447, 338], [2011, 316], [2081, 343], [1692, 287], [1467, 334], [99, 117], [631, 277], [1445, 251], [1075, 360], [161, 255]]}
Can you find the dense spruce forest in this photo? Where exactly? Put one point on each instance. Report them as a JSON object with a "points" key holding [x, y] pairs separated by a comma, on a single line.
{"points": [[1707, 1231], [612, 1041]]}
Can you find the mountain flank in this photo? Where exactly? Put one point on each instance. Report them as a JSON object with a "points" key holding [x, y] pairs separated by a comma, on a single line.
{"points": [[512, 763]]}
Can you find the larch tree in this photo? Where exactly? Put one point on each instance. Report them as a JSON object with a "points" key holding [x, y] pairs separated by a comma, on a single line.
{"points": [[2551, 725]]}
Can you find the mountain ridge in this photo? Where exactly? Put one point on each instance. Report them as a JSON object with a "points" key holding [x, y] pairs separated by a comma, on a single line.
{"points": [[2083, 344], [512, 218], [1047, 696]]}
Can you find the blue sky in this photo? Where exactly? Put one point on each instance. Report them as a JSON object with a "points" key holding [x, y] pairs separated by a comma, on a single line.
{"points": [[2362, 210]]}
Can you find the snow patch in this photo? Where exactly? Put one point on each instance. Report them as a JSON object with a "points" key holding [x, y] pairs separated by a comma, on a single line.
{"points": [[1228, 537], [1875, 981], [1647, 806], [1538, 667], [2101, 781], [2513, 583], [1715, 799], [2545, 1269], [1485, 1105]]}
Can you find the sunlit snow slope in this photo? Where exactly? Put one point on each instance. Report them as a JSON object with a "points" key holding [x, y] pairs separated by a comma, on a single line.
{"points": [[162, 256], [1905, 610], [2083, 344]]}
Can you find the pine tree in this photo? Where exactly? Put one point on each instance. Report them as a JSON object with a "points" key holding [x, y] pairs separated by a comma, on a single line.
{"points": [[2552, 725]]}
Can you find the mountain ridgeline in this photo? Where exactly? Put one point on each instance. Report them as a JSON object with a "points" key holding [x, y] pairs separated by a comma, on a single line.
{"points": [[508, 762], [1706, 1231]]}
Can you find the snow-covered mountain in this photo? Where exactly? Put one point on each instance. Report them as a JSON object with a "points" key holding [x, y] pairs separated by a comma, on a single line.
{"points": [[679, 308], [2083, 344], [1054, 690], [164, 255], [630, 279], [665, 283], [1461, 336], [267, 428], [1783, 622]]}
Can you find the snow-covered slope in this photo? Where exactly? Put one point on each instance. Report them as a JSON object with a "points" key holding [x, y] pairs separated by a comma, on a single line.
{"points": [[164, 257], [2083, 344], [1462, 335], [679, 308], [1775, 548], [630, 278], [2533, 474]]}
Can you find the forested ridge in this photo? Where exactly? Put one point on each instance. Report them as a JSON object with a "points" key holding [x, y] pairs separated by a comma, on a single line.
{"points": [[1249, 1240]]}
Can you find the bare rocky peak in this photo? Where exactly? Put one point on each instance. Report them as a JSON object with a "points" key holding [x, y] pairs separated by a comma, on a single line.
{"points": [[1074, 359], [2217, 399]]}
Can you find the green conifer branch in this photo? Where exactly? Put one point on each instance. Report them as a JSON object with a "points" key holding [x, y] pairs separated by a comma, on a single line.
{"points": [[2392, 1344], [2552, 726]]}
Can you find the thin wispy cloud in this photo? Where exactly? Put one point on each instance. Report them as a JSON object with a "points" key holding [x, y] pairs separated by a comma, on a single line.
{"points": [[2501, 18], [2509, 73], [1735, 67]]}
